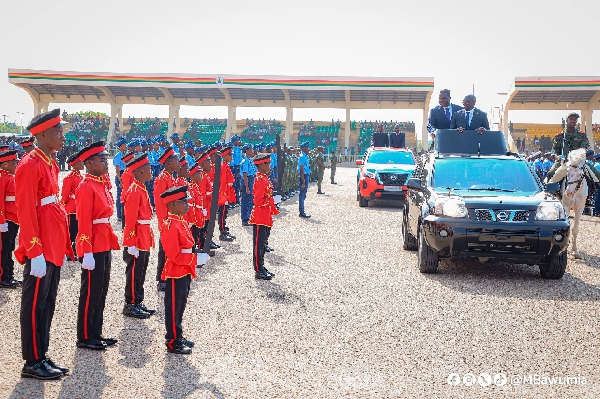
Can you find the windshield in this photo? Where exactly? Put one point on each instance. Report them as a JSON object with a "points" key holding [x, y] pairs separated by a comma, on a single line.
{"points": [[391, 157], [484, 174]]}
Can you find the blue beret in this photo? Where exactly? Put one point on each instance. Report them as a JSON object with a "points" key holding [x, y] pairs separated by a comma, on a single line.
{"points": [[121, 141], [217, 144], [597, 156], [174, 136], [589, 152], [189, 144], [235, 137], [305, 144], [144, 143], [131, 144], [246, 146]]}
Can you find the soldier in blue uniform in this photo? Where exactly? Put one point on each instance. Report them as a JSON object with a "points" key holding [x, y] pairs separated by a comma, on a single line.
{"points": [[235, 164], [155, 167], [189, 156], [119, 167], [175, 145], [303, 176], [248, 171]]}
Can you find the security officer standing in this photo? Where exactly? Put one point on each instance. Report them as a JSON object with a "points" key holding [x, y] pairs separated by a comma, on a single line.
{"points": [[304, 175], [334, 161], [564, 142], [320, 164], [236, 161], [119, 168]]}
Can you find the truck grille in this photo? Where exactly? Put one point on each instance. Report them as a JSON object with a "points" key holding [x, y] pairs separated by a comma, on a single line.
{"points": [[393, 179], [501, 215]]}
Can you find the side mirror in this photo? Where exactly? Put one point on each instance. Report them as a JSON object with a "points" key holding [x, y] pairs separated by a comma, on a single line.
{"points": [[414, 183], [359, 162], [552, 187]]}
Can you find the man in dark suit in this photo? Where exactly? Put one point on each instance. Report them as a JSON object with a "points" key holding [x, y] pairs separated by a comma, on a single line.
{"points": [[380, 138], [441, 115], [470, 118], [397, 138]]}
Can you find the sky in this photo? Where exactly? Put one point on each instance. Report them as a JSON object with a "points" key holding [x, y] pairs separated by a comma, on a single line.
{"points": [[482, 44]]}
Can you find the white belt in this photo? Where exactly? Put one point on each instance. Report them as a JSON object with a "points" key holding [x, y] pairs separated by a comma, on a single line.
{"points": [[186, 251], [72, 196], [100, 221], [143, 222], [48, 200], [9, 198]]}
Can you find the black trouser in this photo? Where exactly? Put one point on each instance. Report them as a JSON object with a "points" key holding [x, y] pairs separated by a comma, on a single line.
{"points": [[267, 237], [123, 219], [7, 264], [135, 276], [222, 211], [92, 297], [259, 239], [38, 300], [196, 234], [176, 294], [203, 233], [73, 229], [161, 261]]}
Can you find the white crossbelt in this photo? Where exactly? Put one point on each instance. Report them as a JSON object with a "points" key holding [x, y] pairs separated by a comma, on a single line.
{"points": [[186, 250], [51, 199], [100, 221], [143, 222], [72, 196], [9, 198]]}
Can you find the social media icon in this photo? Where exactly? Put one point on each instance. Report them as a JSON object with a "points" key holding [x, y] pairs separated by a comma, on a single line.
{"points": [[469, 379], [500, 379], [453, 379], [484, 379]]}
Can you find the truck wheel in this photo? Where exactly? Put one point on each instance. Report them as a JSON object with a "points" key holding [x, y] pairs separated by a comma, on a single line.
{"points": [[428, 258], [409, 242], [555, 266], [362, 201]]}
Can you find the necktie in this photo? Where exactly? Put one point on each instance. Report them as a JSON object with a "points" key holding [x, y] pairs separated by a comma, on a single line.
{"points": [[447, 110], [467, 117]]}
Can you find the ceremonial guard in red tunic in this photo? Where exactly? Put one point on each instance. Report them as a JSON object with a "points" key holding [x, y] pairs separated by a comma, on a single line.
{"points": [[9, 225], [262, 214], [137, 237], [205, 188], [180, 267], [95, 242], [126, 180], [164, 181], [27, 145], [226, 193], [67, 195], [196, 214], [43, 243]]}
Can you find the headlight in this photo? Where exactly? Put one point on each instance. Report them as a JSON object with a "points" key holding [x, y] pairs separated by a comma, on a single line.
{"points": [[450, 207], [550, 211], [369, 174]]}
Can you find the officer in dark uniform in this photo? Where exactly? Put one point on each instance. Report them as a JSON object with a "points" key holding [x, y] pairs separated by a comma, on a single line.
{"points": [[380, 138]]}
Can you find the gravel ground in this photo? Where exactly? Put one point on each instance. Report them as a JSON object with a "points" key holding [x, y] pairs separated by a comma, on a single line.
{"points": [[347, 315]]}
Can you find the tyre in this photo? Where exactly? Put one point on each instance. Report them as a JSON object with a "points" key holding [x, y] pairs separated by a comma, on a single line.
{"points": [[409, 242], [555, 268], [357, 192], [362, 201], [428, 258]]}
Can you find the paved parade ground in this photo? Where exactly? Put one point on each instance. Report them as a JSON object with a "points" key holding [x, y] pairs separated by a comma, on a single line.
{"points": [[348, 314]]}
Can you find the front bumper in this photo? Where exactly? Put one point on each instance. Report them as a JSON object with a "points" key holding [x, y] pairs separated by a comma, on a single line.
{"points": [[513, 241], [369, 188]]}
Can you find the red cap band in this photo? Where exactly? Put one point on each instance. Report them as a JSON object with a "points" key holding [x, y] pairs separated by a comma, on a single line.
{"points": [[27, 143], [8, 158], [138, 164], [91, 152], [194, 169], [175, 197], [45, 126], [226, 151], [260, 161], [73, 162], [167, 154]]}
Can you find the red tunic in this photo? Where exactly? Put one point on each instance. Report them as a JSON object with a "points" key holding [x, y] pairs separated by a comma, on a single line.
{"points": [[67, 195], [206, 187], [8, 206], [163, 182], [94, 203], [264, 204], [137, 208], [175, 237], [226, 184], [126, 180], [196, 206], [43, 227]]}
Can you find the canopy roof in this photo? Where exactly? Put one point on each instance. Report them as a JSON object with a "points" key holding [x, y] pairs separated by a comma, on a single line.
{"points": [[224, 90], [554, 92]]}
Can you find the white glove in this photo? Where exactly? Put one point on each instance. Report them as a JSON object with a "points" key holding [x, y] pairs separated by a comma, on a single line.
{"points": [[89, 263], [38, 266], [204, 212], [133, 251], [190, 225], [112, 256], [202, 259], [3, 228], [65, 260], [277, 199]]}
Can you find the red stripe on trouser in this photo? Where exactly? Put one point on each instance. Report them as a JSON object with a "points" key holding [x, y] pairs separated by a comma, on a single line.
{"points": [[222, 217], [173, 312], [87, 306], [133, 281], [256, 228], [35, 295]]}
